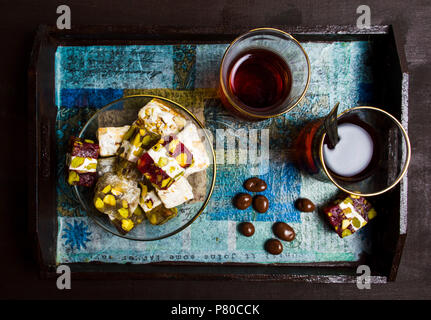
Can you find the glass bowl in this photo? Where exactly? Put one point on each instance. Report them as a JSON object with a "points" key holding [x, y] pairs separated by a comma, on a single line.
{"points": [[123, 112]]}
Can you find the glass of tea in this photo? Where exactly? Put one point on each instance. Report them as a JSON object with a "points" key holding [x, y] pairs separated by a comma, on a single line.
{"points": [[263, 74], [371, 157]]}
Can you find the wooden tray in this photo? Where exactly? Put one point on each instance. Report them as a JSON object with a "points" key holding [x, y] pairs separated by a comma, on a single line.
{"points": [[391, 78]]}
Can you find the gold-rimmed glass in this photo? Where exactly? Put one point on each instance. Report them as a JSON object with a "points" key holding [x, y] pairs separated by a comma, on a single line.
{"points": [[391, 155], [288, 49]]}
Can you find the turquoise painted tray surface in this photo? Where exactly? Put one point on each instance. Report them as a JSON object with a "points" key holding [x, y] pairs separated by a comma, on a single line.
{"points": [[87, 78]]}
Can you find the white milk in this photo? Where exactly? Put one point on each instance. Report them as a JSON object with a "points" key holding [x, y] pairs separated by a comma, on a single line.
{"points": [[352, 154]]}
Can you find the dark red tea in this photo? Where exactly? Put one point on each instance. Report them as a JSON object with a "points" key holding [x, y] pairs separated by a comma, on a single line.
{"points": [[260, 78]]}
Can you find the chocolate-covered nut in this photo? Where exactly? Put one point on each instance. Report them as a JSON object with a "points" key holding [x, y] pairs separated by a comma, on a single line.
{"points": [[304, 205], [246, 228], [260, 203], [255, 185], [273, 246], [283, 231], [242, 201]]}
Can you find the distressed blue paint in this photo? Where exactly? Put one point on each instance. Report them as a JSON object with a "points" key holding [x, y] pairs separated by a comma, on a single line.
{"points": [[81, 98], [208, 57], [118, 67], [76, 235], [282, 177], [90, 77], [283, 188], [184, 57]]}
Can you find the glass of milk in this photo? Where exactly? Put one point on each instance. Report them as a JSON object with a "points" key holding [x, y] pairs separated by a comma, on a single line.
{"points": [[371, 157]]}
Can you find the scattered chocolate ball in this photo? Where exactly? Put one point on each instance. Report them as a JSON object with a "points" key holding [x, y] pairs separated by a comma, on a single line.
{"points": [[255, 185], [246, 228], [273, 246], [283, 231], [304, 205], [260, 203], [242, 201]]}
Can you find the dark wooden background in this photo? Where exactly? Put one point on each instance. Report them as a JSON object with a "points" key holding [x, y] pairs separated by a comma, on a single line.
{"points": [[18, 22]]}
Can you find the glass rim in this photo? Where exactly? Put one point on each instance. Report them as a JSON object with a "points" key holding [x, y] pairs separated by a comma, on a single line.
{"points": [[251, 114], [208, 197], [406, 163]]}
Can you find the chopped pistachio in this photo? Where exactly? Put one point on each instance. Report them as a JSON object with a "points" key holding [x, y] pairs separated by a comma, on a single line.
{"points": [[107, 188], [356, 223], [146, 140], [165, 182], [129, 133], [180, 174], [173, 145], [137, 140], [138, 152], [144, 189], [182, 159], [73, 177], [123, 212], [372, 213], [347, 200], [347, 210], [91, 166], [99, 204], [346, 233], [76, 162], [153, 219], [109, 199], [149, 204], [163, 161], [127, 224], [157, 147], [138, 211]]}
